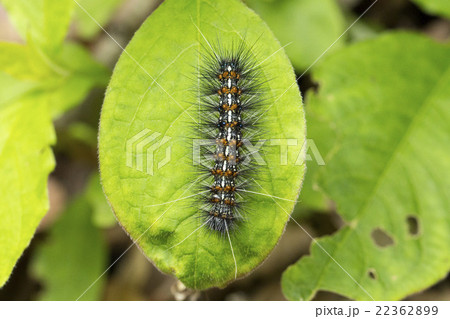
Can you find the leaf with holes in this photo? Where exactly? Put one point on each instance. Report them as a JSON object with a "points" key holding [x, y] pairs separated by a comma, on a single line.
{"points": [[387, 169], [147, 108]]}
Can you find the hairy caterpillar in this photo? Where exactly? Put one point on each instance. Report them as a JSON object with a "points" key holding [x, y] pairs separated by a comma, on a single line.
{"points": [[231, 99]]}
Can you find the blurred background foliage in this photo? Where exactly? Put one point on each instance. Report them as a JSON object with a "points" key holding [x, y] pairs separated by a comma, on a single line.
{"points": [[58, 71]]}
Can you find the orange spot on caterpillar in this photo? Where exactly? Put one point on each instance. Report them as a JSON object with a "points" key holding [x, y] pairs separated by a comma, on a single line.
{"points": [[229, 202], [232, 124], [227, 107], [220, 156], [215, 214], [228, 173], [222, 141]]}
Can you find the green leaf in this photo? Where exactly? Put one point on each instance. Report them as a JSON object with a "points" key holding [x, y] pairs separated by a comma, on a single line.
{"points": [[35, 88], [312, 197], [39, 81], [44, 21], [11, 88], [306, 27], [437, 7], [80, 73], [26, 132], [387, 166], [67, 76], [167, 48], [73, 256], [100, 10], [25, 162], [21, 62]]}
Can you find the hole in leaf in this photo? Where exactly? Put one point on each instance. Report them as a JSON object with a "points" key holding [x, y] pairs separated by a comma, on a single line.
{"points": [[372, 273], [413, 225], [381, 238], [325, 223]]}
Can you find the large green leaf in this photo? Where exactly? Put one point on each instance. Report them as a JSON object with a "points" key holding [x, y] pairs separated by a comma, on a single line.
{"points": [[73, 256], [437, 7], [26, 133], [167, 49], [306, 27], [39, 81], [387, 114], [43, 21]]}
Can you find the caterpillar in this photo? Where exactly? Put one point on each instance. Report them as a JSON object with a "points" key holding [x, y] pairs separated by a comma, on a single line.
{"points": [[230, 99]]}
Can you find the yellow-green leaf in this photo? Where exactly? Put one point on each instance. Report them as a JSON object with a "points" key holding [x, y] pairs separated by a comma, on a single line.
{"points": [[149, 92], [26, 133], [386, 114]]}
